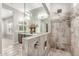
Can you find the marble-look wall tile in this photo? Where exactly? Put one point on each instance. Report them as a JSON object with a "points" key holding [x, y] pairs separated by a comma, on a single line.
{"points": [[75, 36], [60, 35]]}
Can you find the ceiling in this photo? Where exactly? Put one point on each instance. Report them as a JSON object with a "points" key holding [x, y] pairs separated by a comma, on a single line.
{"points": [[28, 6], [20, 7], [6, 13]]}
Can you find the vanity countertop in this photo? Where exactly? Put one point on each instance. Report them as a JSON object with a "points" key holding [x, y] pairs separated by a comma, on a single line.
{"points": [[35, 35], [26, 33]]}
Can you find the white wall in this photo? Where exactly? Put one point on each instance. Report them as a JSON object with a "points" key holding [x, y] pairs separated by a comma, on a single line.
{"points": [[17, 16], [6, 13], [6, 33]]}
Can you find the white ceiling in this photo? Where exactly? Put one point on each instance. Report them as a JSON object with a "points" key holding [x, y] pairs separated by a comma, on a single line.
{"points": [[20, 6], [6, 13], [30, 6]]}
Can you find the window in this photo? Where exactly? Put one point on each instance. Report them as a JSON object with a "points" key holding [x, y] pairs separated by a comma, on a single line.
{"points": [[22, 26]]}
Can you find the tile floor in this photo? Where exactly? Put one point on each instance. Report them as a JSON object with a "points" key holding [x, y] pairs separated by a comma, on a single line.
{"points": [[11, 49], [56, 52]]}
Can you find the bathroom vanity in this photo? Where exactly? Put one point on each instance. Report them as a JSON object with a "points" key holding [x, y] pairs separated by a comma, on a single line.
{"points": [[36, 45], [22, 35]]}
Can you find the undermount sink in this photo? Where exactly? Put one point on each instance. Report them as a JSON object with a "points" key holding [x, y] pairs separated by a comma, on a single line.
{"points": [[28, 35]]}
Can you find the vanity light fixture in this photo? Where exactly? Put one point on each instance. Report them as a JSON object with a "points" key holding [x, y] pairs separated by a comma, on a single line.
{"points": [[42, 16], [28, 13]]}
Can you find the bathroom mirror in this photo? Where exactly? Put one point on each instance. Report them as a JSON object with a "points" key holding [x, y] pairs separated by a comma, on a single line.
{"points": [[34, 11], [38, 13]]}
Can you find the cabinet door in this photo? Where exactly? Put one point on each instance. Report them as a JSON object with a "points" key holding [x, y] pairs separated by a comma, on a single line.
{"points": [[33, 48], [43, 45]]}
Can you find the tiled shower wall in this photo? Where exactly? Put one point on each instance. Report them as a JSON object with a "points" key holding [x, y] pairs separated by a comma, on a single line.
{"points": [[75, 35], [65, 36], [75, 31], [60, 26], [0, 31], [61, 35]]}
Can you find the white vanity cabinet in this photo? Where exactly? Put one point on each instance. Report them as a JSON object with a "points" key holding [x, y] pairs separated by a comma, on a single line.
{"points": [[35, 45]]}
